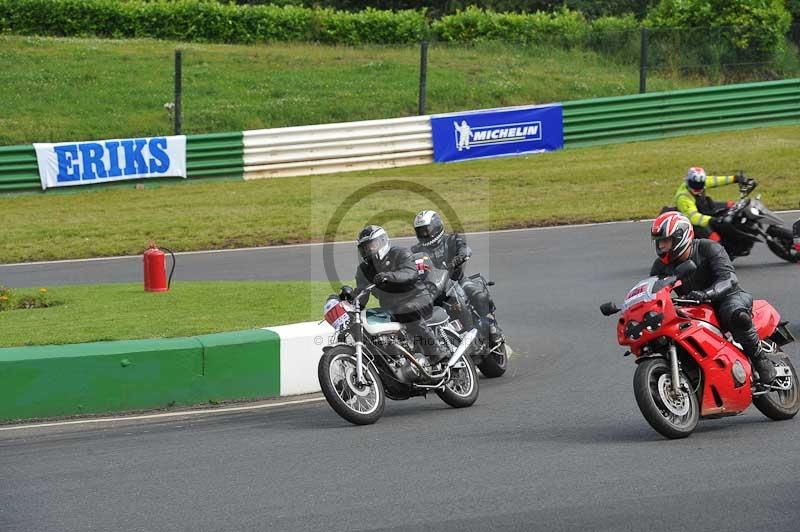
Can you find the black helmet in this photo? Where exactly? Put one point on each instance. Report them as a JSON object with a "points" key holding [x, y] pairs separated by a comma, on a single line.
{"points": [[429, 227], [373, 242]]}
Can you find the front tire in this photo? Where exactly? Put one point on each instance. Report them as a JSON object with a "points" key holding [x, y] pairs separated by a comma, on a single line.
{"points": [[780, 404], [360, 405], [461, 390], [672, 417]]}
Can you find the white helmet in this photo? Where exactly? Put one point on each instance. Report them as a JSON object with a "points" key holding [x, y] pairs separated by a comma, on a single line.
{"points": [[696, 179], [373, 242]]}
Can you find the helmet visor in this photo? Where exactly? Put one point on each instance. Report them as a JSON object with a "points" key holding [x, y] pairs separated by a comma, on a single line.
{"points": [[370, 248], [663, 245], [423, 231]]}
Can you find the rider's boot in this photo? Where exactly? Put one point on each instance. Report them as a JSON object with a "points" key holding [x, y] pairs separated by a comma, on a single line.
{"points": [[493, 331], [764, 366]]}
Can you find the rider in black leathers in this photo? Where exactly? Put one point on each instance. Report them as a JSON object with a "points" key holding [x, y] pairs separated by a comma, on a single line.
{"points": [[450, 251], [399, 289], [714, 281]]}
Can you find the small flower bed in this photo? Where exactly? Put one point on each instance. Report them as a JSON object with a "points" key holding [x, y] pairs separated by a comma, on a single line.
{"points": [[10, 300]]}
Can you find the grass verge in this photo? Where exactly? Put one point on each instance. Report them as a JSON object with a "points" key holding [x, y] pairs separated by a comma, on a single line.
{"points": [[93, 313], [78, 89], [625, 181]]}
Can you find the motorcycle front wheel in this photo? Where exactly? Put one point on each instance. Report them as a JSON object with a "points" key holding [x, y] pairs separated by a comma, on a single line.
{"points": [[781, 404], [672, 416], [461, 390], [781, 243], [360, 404]]}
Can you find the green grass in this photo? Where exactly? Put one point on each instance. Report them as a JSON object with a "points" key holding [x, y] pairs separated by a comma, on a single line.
{"points": [[624, 181], [78, 89], [90, 313]]}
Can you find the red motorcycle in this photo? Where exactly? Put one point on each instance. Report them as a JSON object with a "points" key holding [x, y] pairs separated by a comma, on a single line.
{"points": [[687, 368]]}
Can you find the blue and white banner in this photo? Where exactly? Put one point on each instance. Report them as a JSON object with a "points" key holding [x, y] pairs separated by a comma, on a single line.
{"points": [[68, 164], [497, 132]]}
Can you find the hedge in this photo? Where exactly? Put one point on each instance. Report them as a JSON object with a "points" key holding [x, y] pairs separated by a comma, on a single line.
{"points": [[208, 21]]}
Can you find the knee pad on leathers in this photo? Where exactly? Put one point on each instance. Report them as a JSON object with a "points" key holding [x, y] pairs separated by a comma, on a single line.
{"points": [[479, 297], [742, 320]]}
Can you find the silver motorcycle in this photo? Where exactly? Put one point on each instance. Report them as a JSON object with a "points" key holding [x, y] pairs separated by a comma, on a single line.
{"points": [[373, 359]]}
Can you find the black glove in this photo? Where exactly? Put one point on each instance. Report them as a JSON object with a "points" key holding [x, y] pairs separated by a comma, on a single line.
{"points": [[381, 278], [697, 295], [458, 260], [718, 221], [740, 178]]}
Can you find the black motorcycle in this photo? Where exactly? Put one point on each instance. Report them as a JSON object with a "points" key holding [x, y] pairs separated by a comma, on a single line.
{"points": [[448, 294], [749, 221], [373, 358]]}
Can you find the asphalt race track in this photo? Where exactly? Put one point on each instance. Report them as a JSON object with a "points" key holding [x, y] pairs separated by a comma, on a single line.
{"points": [[556, 444]]}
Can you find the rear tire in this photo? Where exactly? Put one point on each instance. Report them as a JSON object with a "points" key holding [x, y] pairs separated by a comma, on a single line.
{"points": [[780, 405], [462, 389], [495, 364], [671, 417], [782, 243], [360, 405]]}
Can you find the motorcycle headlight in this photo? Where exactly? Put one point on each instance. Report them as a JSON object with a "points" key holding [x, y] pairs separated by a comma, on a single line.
{"points": [[652, 320], [633, 329]]}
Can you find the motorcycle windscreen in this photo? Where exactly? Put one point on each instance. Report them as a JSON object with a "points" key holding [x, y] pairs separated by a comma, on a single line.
{"points": [[645, 290]]}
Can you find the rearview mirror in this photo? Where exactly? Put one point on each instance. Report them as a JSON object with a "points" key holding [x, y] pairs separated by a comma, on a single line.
{"points": [[608, 309], [685, 269], [346, 293]]}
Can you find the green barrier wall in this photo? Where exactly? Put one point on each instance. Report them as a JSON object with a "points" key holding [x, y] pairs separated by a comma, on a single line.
{"points": [[51, 381], [668, 114], [586, 123]]}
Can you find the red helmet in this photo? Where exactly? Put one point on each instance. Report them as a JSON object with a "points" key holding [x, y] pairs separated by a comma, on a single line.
{"points": [[676, 227]]}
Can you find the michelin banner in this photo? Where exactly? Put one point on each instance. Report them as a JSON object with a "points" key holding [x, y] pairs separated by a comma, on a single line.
{"points": [[85, 163], [497, 132]]}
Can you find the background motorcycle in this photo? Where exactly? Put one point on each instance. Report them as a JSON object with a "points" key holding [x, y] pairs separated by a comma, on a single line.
{"points": [[749, 221], [688, 369], [491, 360], [373, 358]]}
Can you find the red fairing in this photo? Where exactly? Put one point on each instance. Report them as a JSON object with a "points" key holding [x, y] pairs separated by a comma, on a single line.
{"points": [[765, 318], [695, 330], [701, 312]]}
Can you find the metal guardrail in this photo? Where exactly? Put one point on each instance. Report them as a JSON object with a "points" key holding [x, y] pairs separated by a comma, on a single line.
{"points": [[328, 148], [673, 113], [374, 144], [18, 168]]}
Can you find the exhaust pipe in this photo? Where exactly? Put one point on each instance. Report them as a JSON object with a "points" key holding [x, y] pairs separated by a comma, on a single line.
{"points": [[466, 343]]}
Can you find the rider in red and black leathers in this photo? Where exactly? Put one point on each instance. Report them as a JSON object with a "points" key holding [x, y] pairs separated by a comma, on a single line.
{"points": [[714, 281], [399, 289], [450, 251]]}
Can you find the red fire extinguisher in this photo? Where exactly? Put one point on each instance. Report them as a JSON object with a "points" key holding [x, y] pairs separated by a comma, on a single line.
{"points": [[155, 269]]}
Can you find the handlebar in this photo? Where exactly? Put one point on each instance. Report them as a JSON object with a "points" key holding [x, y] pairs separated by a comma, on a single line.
{"points": [[680, 301], [746, 188]]}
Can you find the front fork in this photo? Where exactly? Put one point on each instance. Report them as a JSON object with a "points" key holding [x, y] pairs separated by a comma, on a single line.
{"points": [[358, 334], [674, 371]]}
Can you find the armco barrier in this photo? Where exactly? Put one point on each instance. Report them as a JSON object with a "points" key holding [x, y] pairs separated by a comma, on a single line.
{"points": [[667, 114], [51, 381], [374, 144], [18, 168], [328, 148]]}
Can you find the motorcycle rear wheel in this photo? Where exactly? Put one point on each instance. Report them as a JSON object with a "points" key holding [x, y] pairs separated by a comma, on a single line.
{"points": [[672, 417], [780, 405], [360, 405], [782, 245], [461, 390]]}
